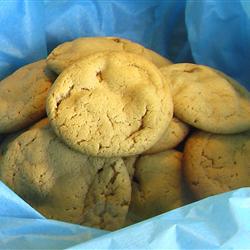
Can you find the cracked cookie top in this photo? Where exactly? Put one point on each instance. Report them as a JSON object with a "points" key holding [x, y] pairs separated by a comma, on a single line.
{"points": [[108, 198], [22, 97], [67, 53], [110, 104], [215, 164], [208, 99], [76, 188], [56, 186]]}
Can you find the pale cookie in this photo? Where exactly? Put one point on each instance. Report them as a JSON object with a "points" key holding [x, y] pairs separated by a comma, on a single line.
{"points": [[110, 104], [107, 201], [157, 185], [208, 99], [68, 53], [22, 97], [217, 163], [51, 177], [173, 135]]}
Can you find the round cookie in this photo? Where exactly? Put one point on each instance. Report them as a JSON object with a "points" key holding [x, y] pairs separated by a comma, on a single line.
{"points": [[22, 97], [207, 99], [216, 163], [157, 185], [56, 186], [107, 201], [110, 104], [68, 53], [173, 135]]}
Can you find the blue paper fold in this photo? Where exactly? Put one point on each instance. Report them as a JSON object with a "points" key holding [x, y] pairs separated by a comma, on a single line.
{"points": [[219, 36]]}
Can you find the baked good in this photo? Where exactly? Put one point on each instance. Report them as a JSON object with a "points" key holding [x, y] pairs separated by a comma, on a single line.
{"points": [[157, 185], [22, 97], [11, 137], [216, 163], [173, 135], [56, 186], [108, 198], [68, 53], [110, 104], [207, 99]]}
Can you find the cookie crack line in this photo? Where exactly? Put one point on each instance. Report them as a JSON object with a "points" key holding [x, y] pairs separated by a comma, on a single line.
{"points": [[141, 127], [110, 120], [107, 191], [107, 194], [63, 97]]}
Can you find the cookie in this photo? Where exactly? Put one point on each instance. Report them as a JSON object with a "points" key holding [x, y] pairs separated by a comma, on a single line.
{"points": [[22, 97], [110, 104], [173, 135], [107, 201], [157, 185], [207, 99], [217, 163], [56, 186], [68, 53]]}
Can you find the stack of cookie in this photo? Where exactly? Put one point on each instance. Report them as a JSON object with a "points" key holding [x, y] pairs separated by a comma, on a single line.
{"points": [[110, 151], [216, 156]]}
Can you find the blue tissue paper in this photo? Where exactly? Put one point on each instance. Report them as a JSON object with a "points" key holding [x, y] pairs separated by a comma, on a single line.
{"points": [[214, 33]]}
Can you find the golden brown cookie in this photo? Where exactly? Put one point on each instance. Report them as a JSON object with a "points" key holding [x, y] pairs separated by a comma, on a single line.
{"points": [[68, 188], [173, 135], [107, 201], [110, 104], [68, 53], [207, 99], [56, 186], [157, 185], [217, 163], [22, 97]]}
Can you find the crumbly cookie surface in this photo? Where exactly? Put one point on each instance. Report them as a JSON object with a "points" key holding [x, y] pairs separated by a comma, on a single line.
{"points": [[207, 99], [22, 97], [68, 53], [110, 104], [107, 201], [217, 163]]}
